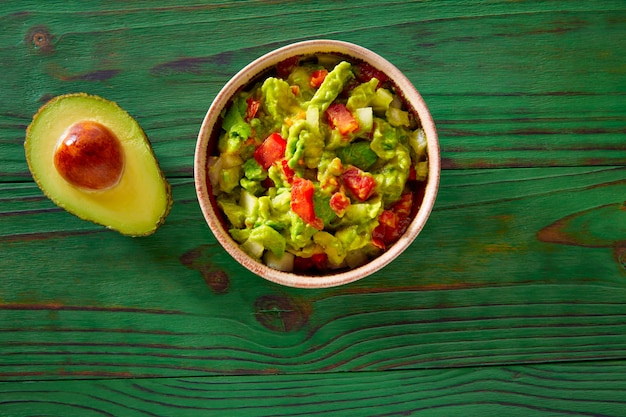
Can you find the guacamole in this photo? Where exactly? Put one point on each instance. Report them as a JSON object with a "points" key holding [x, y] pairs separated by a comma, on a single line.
{"points": [[317, 165]]}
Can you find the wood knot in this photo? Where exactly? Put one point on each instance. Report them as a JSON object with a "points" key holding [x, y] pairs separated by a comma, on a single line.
{"points": [[281, 313], [40, 38], [199, 259], [217, 280]]}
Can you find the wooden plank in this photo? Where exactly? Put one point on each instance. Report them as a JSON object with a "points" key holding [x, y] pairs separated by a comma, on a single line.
{"points": [[514, 266], [580, 389], [509, 84]]}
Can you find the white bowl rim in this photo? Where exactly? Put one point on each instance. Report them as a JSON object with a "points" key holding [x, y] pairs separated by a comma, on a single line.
{"points": [[243, 78]]}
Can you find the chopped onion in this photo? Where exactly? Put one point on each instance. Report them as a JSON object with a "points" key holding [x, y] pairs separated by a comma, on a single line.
{"points": [[417, 140], [215, 166], [356, 258], [231, 160], [283, 263], [248, 202], [313, 117], [381, 101], [253, 248], [365, 117], [397, 117]]}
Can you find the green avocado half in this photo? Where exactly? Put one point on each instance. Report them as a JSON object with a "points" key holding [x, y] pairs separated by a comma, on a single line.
{"points": [[90, 157]]}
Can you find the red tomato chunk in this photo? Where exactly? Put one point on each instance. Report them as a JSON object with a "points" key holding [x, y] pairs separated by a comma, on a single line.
{"points": [[403, 206], [340, 118], [289, 173], [339, 203], [272, 149], [318, 261], [318, 77], [394, 222], [302, 191], [253, 107], [359, 183]]}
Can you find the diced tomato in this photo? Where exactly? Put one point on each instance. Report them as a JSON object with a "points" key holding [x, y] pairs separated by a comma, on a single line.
{"points": [[284, 68], [302, 191], [253, 107], [412, 173], [340, 118], [359, 183], [393, 223], [301, 264], [295, 89], [318, 261], [289, 173], [272, 149], [388, 218], [339, 203], [403, 206], [318, 77], [365, 72], [392, 234], [378, 237]]}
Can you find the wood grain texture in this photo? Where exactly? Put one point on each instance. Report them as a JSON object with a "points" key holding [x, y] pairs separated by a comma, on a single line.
{"points": [[515, 266], [509, 83], [576, 389], [510, 302]]}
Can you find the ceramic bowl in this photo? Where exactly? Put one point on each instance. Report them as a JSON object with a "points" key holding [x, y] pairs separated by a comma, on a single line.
{"points": [[211, 126]]}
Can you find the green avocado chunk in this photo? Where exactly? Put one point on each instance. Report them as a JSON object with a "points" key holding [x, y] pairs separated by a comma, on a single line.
{"points": [[359, 154]]}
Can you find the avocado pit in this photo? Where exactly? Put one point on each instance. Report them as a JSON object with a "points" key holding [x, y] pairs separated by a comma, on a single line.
{"points": [[89, 156]]}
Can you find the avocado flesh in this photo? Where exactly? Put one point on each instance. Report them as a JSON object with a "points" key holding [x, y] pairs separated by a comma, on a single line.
{"points": [[137, 204]]}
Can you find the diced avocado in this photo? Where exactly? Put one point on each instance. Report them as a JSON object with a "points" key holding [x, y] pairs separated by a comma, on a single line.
{"points": [[362, 95], [90, 157], [303, 144], [269, 238], [333, 84], [253, 171], [398, 117], [234, 212], [235, 127], [321, 202], [300, 77], [381, 100], [384, 140], [332, 246], [278, 100], [358, 154], [392, 176]]}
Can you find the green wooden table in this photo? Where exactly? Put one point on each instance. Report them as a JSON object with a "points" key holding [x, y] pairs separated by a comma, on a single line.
{"points": [[512, 301]]}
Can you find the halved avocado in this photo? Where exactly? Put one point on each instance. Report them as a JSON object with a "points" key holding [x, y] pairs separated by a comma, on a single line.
{"points": [[90, 157]]}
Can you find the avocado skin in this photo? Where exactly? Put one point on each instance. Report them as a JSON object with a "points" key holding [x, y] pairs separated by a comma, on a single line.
{"points": [[122, 204]]}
